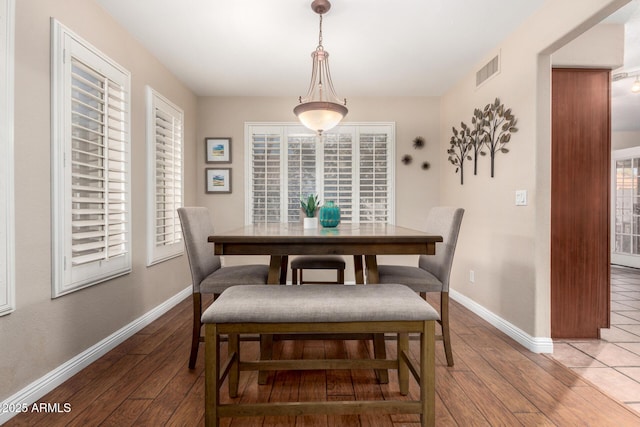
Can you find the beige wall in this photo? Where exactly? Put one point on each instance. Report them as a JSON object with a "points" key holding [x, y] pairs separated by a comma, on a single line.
{"points": [[602, 46], [43, 333], [417, 190], [508, 246], [626, 139]]}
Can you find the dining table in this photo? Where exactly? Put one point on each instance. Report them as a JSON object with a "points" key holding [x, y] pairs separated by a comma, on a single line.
{"points": [[363, 241]]}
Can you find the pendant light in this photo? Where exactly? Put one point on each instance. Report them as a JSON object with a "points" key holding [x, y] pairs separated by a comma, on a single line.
{"points": [[320, 109]]}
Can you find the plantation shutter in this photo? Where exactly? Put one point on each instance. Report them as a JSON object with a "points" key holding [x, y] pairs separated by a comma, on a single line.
{"points": [[301, 172], [266, 176], [374, 177], [7, 183], [92, 224], [352, 165], [165, 122], [98, 167], [339, 172]]}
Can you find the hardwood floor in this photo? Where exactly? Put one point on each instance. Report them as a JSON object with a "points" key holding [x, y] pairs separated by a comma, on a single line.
{"points": [[145, 382]]}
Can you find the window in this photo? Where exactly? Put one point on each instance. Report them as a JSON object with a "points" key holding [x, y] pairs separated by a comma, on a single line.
{"points": [[352, 166], [7, 276], [91, 165], [164, 144], [625, 198]]}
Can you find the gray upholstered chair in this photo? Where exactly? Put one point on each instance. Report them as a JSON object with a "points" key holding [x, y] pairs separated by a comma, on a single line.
{"points": [[433, 271], [207, 274], [319, 262]]}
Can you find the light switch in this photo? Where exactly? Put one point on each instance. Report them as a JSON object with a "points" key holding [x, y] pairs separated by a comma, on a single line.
{"points": [[521, 197]]}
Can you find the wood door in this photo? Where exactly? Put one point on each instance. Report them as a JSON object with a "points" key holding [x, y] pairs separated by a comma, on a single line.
{"points": [[580, 202]]}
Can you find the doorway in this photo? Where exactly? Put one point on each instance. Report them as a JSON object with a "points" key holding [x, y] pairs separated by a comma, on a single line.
{"points": [[625, 207]]}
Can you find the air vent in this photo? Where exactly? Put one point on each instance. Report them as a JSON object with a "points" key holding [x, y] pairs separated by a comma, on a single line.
{"points": [[492, 68]]}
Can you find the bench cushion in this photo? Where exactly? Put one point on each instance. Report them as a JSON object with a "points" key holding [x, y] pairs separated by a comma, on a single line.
{"points": [[318, 303]]}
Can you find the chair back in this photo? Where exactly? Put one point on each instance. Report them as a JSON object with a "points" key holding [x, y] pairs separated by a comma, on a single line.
{"points": [[196, 228], [444, 221]]}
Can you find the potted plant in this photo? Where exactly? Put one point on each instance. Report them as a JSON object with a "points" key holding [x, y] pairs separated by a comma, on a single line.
{"points": [[310, 206]]}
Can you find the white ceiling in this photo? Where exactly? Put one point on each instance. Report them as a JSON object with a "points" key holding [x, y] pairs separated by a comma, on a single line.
{"points": [[377, 47]]}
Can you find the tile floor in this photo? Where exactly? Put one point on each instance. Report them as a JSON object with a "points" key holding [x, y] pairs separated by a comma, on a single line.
{"points": [[613, 362]]}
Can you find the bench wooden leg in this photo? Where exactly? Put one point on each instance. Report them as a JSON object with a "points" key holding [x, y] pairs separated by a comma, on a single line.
{"points": [[428, 374], [403, 369], [266, 353], [211, 366], [234, 372], [380, 352]]}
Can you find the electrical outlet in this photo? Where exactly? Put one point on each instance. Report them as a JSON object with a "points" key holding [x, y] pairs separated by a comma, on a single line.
{"points": [[472, 276]]}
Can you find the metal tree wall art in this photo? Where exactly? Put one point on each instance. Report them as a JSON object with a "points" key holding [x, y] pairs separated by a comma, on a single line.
{"points": [[459, 149], [499, 124], [478, 137], [490, 130]]}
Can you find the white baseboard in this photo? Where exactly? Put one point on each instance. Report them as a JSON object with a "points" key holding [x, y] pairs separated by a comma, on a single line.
{"points": [[34, 391], [534, 344]]}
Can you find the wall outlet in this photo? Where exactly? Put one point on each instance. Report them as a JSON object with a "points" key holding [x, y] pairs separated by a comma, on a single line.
{"points": [[472, 276]]}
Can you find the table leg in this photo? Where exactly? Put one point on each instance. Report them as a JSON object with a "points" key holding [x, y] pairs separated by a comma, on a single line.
{"points": [[357, 267], [372, 269], [266, 341], [284, 267], [379, 349], [275, 265]]}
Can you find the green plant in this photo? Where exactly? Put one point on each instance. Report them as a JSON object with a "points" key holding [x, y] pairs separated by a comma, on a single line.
{"points": [[311, 205]]}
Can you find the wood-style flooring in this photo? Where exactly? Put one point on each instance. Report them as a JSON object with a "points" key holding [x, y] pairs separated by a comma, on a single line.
{"points": [[495, 382]]}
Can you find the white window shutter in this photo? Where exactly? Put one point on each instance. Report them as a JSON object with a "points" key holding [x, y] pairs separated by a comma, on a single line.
{"points": [[352, 166], [301, 172], [91, 163], [339, 172], [374, 177], [266, 177], [165, 184], [7, 234]]}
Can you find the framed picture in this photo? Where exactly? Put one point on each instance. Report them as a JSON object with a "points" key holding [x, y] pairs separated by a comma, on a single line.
{"points": [[218, 180], [218, 150]]}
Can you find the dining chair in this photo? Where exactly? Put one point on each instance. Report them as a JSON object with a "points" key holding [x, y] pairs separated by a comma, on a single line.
{"points": [[207, 274], [433, 271], [319, 262]]}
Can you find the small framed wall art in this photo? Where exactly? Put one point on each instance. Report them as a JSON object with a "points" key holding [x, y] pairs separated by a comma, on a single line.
{"points": [[218, 180], [218, 150]]}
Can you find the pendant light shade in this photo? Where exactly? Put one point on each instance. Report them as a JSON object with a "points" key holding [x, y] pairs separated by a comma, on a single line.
{"points": [[320, 109], [320, 116]]}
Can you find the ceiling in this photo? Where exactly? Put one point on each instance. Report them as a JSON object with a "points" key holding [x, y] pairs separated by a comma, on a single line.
{"points": [[377, 47], [263, 48]]}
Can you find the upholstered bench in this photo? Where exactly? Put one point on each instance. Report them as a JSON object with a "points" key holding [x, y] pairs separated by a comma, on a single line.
{"points": [[260, 309]]}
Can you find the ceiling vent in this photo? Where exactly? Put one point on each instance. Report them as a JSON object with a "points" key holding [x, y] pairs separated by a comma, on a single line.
{"points": [[489, 70]]}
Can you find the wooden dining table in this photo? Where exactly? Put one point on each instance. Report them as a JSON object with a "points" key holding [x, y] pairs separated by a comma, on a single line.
{"points": [[362, 241]]}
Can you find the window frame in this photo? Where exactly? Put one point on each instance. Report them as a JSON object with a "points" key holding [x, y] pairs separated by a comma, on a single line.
{"points": [[286, 128], [66, 48], [155, 253], [7, 216]]}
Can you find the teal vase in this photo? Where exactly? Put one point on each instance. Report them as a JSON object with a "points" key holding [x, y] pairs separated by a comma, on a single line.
{"points": [[329, 215]]}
